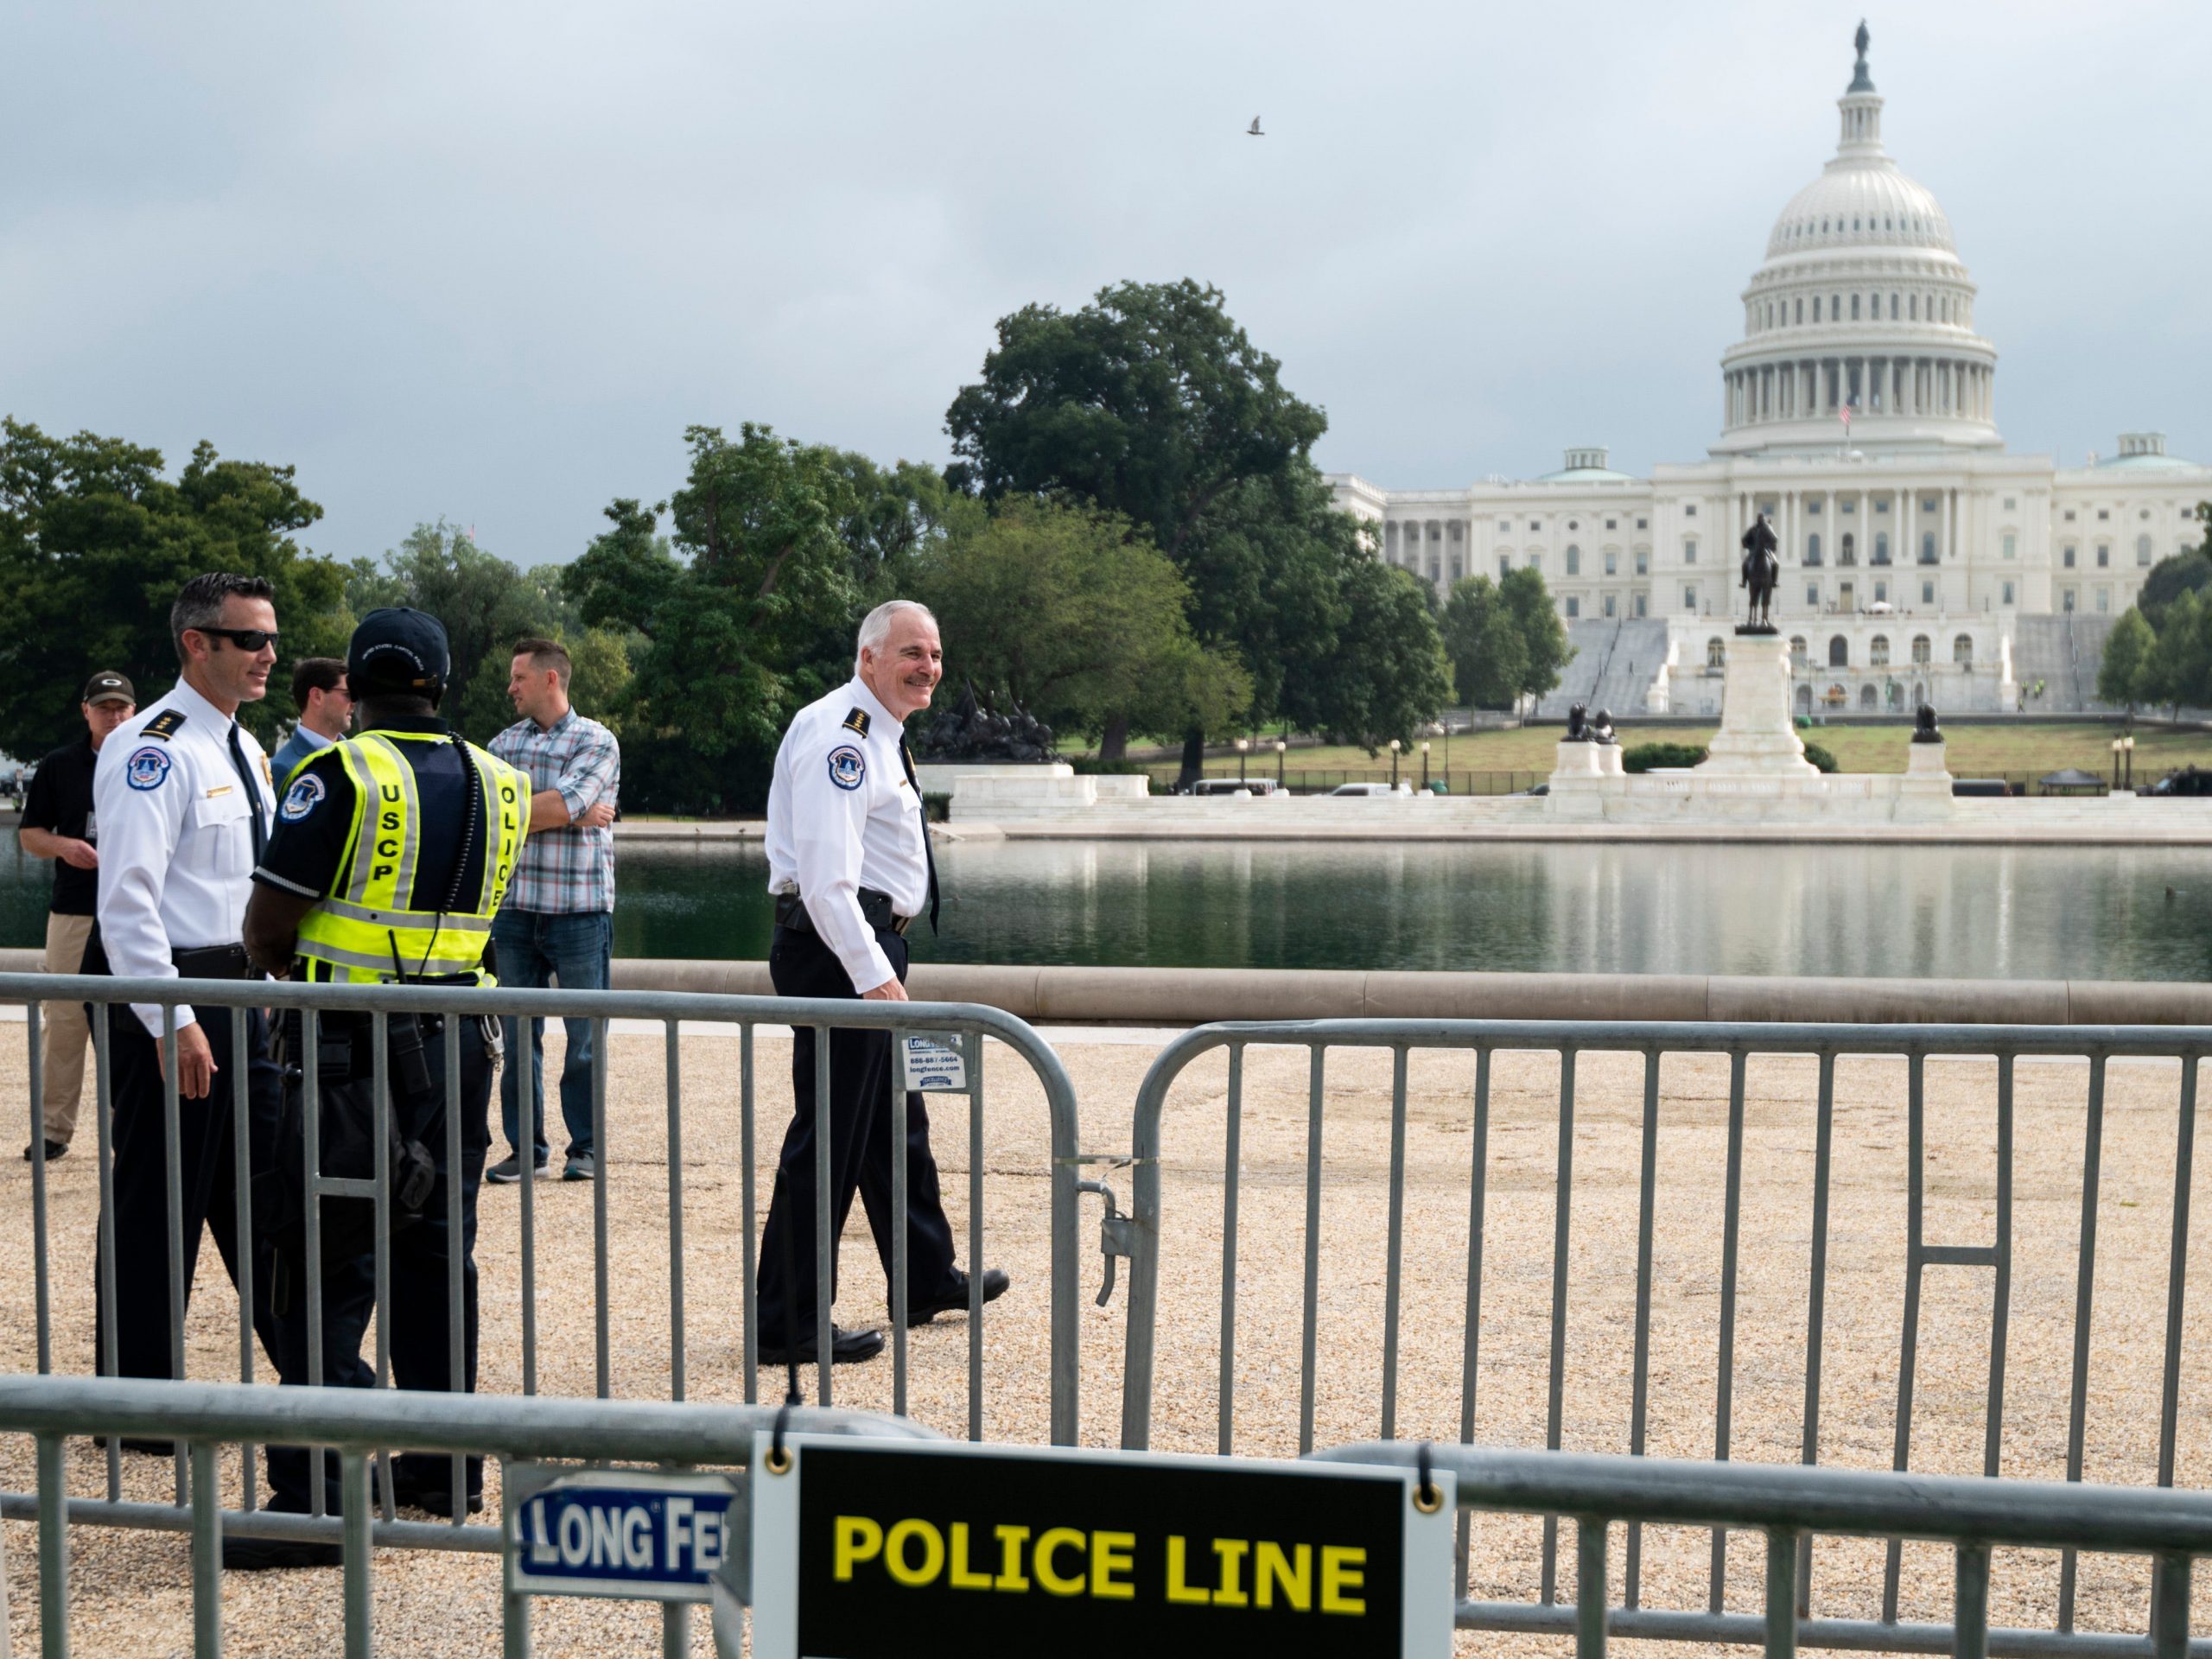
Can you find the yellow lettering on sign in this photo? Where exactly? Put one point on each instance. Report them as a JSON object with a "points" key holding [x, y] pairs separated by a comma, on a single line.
{"points": [[1010, 1542], [1272, 1569], [1343, 1569], [1112, 1552], [961, 1578], [1178, 1587], [1231, 1551], [1053, 1540], [858, 1539], [894, 1553]]}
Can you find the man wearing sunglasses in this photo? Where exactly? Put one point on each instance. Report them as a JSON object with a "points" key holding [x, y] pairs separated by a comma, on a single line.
{"points": [[185, 805]]}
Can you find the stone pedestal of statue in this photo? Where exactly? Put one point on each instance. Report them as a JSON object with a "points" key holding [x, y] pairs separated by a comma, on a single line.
{"points": [[1576, 757], [1925, 789], [1758, 738]]}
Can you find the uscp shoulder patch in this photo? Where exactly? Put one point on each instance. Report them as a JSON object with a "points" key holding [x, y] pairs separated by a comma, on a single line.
{"points": [[847, 765], [147, 768], [305, 795]]}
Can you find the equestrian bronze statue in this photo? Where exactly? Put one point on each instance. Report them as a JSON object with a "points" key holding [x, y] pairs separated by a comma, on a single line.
{"points": [[1762, 576]]}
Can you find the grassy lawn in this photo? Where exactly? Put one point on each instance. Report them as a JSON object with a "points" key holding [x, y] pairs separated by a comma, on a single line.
{"points": [[1974, 751]]}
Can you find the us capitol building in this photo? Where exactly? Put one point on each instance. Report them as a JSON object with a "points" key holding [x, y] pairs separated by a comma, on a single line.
{"points": [[1920, 560]]}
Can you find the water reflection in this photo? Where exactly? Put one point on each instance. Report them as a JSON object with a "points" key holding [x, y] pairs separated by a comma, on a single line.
{"points": [[1904, 912]]}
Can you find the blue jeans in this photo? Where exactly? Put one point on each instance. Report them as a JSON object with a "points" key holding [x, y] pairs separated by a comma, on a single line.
{"points": [[536, 946]]}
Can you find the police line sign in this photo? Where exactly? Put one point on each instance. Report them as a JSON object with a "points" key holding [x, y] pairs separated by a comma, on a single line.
{"points": [[638, 1534], [875, 1549]]}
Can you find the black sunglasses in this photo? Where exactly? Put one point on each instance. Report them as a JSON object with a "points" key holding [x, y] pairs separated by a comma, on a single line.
{"points": [[246, 639]]}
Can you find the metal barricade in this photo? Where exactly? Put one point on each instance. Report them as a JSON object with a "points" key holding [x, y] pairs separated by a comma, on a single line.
{"points": [[202, 1418], [1142, 1236], [1788, 1505], [964, 1025]]}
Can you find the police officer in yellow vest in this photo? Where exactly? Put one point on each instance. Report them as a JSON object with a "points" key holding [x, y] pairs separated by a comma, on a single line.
{"points": [[392, 850]]}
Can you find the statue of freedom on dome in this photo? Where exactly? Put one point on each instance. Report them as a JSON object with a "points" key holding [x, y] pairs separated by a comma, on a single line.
{"points": [[1762, 574]]}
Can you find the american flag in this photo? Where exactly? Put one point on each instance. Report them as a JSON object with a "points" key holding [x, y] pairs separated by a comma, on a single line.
{"points": [[1846, 413]]}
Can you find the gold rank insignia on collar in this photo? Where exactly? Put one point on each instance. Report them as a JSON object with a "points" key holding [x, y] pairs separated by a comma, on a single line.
{"points": [[168, 722], [857, 721]]}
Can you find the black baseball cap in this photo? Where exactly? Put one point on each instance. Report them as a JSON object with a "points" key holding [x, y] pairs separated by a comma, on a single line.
{"points": [[399, 650], [107, 686]]}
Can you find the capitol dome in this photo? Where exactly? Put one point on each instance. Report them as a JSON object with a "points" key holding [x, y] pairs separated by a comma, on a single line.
{"points": [[1858, 327], [1861, 202]]}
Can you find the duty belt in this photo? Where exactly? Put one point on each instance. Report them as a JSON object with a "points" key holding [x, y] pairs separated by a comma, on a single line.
{"points": [[213, 962], [875, 911]]}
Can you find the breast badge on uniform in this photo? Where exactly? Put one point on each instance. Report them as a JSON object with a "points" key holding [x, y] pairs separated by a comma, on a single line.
{"points": [[847, 766], [147, 768], [303, 797]]}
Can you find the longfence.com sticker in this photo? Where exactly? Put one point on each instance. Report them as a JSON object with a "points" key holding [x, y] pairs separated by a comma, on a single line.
{"points": [[930, 1065], [880, 1550]]}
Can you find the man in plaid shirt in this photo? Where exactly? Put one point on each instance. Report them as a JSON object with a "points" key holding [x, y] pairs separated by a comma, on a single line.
{"points": [[558, 920]]}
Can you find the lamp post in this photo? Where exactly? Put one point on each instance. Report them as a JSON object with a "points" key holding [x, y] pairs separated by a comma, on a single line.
{"points": [[2116, 744], [1424, 765], [1394, 747], [1280, 746], [1243, 744], [2127, 749]]}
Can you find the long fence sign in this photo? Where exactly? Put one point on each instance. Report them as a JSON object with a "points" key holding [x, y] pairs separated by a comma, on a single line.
{"points": [[864, 1552], [640, 1534]]}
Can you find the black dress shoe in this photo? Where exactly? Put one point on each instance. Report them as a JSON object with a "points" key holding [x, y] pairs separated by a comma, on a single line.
{"points": [[435, 1497], [261, 1554], [953, 1299], [54, 1149], [846, 1347]]}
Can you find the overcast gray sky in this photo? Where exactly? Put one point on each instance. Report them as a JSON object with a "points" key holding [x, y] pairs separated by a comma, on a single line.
{"points": [[487, 261]]}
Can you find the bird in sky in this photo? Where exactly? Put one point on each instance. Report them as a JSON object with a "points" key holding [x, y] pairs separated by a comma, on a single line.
{"points": [[1253, 131]]}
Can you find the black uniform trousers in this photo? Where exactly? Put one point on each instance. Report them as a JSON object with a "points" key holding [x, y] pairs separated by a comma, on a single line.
{"points": [[421, 1248], [860, 1081], [206, 1183]]}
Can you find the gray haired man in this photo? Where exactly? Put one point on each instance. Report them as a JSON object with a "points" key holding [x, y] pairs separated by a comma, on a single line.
{"points": [[850, 866]]}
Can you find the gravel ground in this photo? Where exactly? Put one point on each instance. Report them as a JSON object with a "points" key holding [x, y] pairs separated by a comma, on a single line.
{"points": [[131, 1592]]}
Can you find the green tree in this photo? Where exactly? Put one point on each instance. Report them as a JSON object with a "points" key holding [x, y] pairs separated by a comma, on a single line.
{"points": [[1542, 635], [1481, 637], [2179, 670], [1062, 609], [1150, 402], [743, 621], [95, 540], [2127, 650], [1388, 672], [2187, 572], [1153, 404]]}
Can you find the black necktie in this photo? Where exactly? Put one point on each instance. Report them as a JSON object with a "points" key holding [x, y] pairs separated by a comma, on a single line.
{"points": [[929, 854], [252, 794]]}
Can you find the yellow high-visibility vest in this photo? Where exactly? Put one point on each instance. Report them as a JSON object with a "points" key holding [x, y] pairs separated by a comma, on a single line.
{"points": [[374, 912]]}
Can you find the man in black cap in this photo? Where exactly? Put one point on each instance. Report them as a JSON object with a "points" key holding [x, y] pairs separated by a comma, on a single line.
{"points": [[59, 823], [391, 852]]}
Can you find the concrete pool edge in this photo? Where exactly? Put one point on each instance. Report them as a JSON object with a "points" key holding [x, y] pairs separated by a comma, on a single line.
{"points": [[1188, 996]]}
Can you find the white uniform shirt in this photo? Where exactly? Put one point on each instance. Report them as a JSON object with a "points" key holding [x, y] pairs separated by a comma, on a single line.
{"points": [[177, 843], [843, 817]]}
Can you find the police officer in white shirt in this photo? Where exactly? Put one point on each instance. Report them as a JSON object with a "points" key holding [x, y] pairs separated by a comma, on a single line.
{"points": [[851, 865], [185, 802]]}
